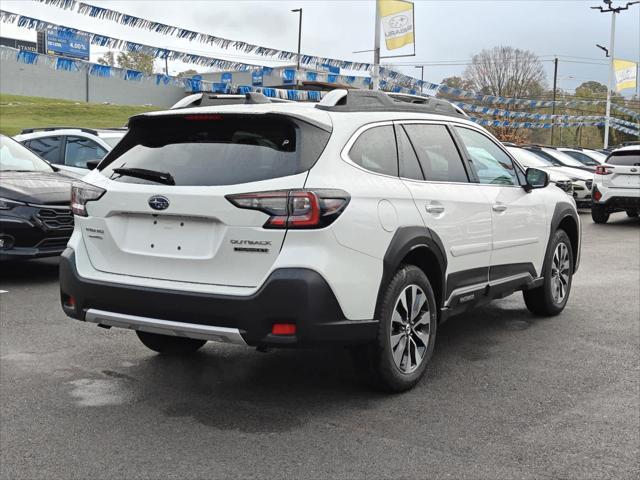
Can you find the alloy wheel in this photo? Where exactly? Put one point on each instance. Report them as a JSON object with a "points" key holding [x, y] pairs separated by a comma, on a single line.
{"points": [[560, 273], [410, 329]]}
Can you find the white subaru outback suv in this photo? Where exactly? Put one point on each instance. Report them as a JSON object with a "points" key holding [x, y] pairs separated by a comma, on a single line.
{"points": [[363, 221], [616, 184]]}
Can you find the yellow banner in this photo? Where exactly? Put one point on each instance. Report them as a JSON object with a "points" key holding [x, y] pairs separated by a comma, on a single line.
{"points": [[397, 22], [626, 74]]}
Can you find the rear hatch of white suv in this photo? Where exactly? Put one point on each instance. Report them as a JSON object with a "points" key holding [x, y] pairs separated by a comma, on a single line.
{"points": [[174, 207], [621, 169]]}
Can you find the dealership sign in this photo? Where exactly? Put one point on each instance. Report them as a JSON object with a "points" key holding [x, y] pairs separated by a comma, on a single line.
{"points": [[67, 43]]}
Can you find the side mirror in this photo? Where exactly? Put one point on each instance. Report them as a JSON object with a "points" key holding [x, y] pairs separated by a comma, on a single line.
{"points": [[92, 164], [536, 179]]}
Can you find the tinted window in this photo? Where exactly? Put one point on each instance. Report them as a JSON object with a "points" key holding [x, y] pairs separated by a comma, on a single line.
{"points": [[47, 147], [214, 149], [491, 164], [409, 166], [544, 155], [375, 150], [627, 159], [79, 151], [437, 153]]}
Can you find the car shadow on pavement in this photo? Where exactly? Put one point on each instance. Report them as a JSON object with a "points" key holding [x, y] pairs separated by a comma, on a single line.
{"points": [[29, 271], [237, 388]]}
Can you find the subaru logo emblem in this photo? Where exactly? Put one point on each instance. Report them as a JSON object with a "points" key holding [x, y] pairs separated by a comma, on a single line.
{"points": [[158, 202]]}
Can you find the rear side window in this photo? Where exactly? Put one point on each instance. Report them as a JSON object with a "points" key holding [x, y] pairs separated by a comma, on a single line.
{"points": [[47, 147], [375, 150], [79, 150], [626, 159], [437, 153], [216, 149], [409, 165]]}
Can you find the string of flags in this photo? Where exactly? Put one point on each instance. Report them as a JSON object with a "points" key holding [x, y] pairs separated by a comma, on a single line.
{"points": [[391, 80], [203, 38]]}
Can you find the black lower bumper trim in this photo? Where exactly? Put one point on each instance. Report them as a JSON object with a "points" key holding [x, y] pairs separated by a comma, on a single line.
{"points": [[289, 295]]}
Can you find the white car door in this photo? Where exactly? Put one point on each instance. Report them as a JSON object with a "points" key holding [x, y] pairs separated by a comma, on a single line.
{"points": [[519, 218], [452, 207]]}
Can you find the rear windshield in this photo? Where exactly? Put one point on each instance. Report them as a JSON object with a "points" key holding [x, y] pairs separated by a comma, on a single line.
{"points": [[217, 149], [627, 159]]}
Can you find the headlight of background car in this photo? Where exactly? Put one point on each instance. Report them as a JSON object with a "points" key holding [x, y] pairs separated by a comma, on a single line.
{"points": [[81, 193], [6, 204]]}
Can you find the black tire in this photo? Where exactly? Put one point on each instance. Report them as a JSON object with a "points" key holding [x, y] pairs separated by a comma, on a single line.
{"points": [[599, 214], [168, 344], [632, 213], [544, 300], [375, 361]]}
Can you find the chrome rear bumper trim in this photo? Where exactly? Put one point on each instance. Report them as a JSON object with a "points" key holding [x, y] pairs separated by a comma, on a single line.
{"points": [[165, 327]]}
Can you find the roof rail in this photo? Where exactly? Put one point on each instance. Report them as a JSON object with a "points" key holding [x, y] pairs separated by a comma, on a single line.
{"points": [[51, 129], [218, 99], [375, 101]]}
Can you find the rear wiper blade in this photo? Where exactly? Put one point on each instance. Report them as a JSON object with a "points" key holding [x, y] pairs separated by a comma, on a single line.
{"points": [[152, 175]]}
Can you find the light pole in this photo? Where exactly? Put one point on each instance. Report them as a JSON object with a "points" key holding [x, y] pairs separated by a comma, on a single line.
{"points": [[421, 67], [613, 10], [298, 10]]}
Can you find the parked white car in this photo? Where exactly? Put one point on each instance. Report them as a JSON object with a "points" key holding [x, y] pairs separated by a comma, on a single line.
{"points": [[526, 159], [70, 148], [581, 179], [616, 185], [362, 221]]}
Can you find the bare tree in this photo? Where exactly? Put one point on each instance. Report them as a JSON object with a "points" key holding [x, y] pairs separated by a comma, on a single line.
{"points": [[506, 72]]}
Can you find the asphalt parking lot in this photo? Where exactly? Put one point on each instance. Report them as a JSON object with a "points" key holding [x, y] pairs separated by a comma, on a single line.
{"points": [[508, 395]]}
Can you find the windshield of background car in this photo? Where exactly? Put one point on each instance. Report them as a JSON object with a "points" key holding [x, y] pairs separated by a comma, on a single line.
{"points": [[217, 149], [15, 157], [629, 158], [565, 159], [528, 159], [112, 140]]}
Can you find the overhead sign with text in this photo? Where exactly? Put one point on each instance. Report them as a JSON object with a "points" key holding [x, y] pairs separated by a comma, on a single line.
{"points": [[68, 44]]}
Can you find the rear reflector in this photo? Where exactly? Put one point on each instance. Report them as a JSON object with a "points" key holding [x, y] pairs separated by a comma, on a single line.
{"points": [[283, 329]]}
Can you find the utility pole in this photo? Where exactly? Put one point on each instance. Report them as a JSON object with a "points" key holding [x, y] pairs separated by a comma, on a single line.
{"points": [[298, 10], [553, 107], [613, 10], [376, 52], [166, 66]]}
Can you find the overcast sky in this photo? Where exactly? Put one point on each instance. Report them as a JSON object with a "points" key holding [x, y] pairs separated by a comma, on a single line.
{"points": [[446, 30]]}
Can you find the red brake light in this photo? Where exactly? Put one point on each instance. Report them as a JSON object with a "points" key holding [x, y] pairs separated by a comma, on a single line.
{"points": [[203, 117], [295, 208], [604, 170]]}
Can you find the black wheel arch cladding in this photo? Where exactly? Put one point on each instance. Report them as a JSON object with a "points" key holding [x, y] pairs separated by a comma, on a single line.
{"points": [[411, 239], [566, 218]]}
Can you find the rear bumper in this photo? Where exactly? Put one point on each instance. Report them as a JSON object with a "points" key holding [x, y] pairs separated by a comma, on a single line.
{"points": [[618, 198], [289, 295]]}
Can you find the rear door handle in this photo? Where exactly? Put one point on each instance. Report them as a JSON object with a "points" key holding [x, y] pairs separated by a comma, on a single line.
{"points": [[434, 208], [499, 207]]}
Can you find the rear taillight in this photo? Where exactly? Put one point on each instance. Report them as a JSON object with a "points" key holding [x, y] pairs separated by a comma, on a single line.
{"points": [[295, 208], [604, 170], [81, 193]]}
